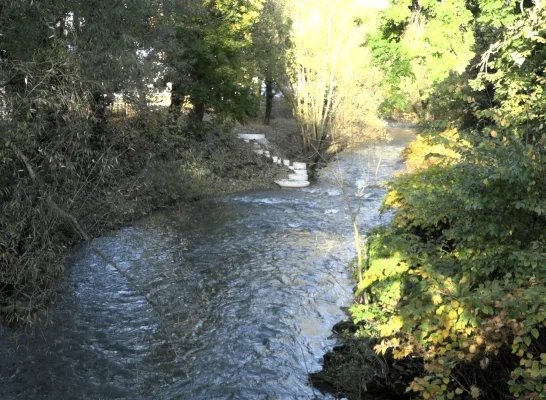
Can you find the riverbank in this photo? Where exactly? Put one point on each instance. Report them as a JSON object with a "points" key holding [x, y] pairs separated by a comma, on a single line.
{"points": [[352, 369], [143, 165]]}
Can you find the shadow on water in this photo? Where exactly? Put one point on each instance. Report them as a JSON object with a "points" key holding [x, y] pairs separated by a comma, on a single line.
{"points": [[247, 288]]}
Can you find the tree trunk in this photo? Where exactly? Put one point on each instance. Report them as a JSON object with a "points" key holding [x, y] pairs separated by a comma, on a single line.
{"points": [[306, 148], [176, 99], [269, 96], [99, 107], [198, 113]]}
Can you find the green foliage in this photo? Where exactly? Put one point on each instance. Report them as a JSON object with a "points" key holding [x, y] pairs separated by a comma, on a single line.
{"points": [[209, 57], [269, 40], [459, 291], [458, 277], [396, 62], [419, 45], [515, 66]]}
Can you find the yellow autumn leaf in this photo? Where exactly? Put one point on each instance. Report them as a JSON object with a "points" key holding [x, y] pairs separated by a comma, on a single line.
{"points": [[393, 326], [436, 299], [418, 388]]}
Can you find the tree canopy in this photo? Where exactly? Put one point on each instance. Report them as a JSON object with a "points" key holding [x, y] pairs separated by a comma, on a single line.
{"points": [[327, 80], [209, 57]]}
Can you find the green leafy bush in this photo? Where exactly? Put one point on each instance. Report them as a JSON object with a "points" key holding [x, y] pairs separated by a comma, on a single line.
{"points": [[459, 274], [458, 277]]}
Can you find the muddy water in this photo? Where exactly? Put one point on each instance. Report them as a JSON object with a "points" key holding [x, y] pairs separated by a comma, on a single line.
{"points": [[246, 289]]}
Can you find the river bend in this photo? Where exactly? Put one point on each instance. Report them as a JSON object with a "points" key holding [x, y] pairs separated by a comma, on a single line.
{"points": [[247, 287]]}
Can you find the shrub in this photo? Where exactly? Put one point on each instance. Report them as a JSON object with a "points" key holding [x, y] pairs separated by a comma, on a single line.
{"points": [[458, 276]]}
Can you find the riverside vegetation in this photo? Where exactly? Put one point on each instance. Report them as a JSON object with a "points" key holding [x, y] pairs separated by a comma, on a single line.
{"points": [[454, 285], [456, 281], [72, 166]]}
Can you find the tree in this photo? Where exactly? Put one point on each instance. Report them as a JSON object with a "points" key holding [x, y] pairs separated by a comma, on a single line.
{"points": [[419, 45], [209, 57], [514, 66], [269, 36], [326, 72], [114, 42]]}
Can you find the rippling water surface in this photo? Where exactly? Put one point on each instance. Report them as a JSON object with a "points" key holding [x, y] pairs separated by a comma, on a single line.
{"points": [[246, 289]]}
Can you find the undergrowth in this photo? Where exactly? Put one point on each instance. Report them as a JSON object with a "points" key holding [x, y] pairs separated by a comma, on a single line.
{"points": [[455, 282], [99, 176], [457, 278]]}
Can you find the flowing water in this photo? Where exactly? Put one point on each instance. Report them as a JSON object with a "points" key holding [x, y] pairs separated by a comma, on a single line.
{"points": [[245, 290]]}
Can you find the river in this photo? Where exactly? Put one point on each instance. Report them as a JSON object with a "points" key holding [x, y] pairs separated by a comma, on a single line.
{"points": [[243, 291]]}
